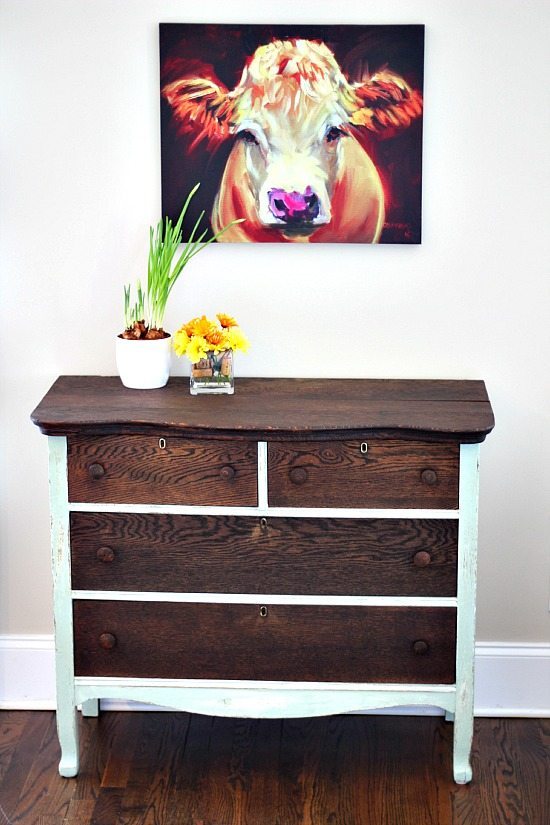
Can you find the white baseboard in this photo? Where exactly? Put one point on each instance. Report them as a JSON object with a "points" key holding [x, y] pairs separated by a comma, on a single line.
{"points": [[27, 673], [511, 679]]}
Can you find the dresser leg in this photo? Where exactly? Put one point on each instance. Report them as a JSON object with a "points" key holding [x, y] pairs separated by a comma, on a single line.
{"points": [[90, 707], [67, 731], [463, 730], [466, 611]]}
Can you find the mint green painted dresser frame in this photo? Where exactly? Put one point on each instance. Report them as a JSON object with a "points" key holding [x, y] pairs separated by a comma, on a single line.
{"points": [[265, 699]]}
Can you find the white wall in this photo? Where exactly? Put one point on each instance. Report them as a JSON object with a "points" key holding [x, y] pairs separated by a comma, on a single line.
{"points": [[80, 186]]}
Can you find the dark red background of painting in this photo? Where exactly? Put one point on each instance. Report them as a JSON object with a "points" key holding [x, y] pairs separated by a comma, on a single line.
{"points": [[226, 48]]}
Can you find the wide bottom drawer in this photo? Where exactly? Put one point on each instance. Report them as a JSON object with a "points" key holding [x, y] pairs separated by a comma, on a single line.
{"points": [[319, 643]]}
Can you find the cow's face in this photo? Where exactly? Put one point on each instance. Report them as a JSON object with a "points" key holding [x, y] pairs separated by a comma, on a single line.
{"points": [[292, 161], [290, 112]]}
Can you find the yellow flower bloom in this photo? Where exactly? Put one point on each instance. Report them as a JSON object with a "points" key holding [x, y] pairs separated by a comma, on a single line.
{"points": [[197, 348], [237, 340], [202, 335], [199, 326], [190, 325], [226, 320], [215, 337], [203, 326], [181, 342]]}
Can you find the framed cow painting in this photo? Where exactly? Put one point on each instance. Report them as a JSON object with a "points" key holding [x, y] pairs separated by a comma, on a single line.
{"points": [[309, 133]]}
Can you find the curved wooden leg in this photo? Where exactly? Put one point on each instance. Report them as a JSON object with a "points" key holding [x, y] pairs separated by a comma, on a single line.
{"points": [[63, 610], [67, 731], [462, 745], [466, 610]]}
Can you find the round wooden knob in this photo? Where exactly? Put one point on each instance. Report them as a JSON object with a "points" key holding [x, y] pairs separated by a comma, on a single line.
{"points": [[428, 477], [105, 554], [107, 641], [422, 558], [298, 475], [228, 473], [96, 470], [420, 647]]}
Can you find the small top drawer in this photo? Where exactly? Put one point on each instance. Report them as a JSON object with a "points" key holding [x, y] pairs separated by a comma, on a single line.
{"points": [[377, 473], [156, 470]]}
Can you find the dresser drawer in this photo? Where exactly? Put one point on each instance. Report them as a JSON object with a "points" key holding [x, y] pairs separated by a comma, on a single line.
{"points": [[241, 554], [152, 470], [378, 473], [290, 643]]}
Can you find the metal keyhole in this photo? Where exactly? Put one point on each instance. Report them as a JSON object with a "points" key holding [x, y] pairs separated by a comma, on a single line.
{"points": [[263, 611], [162, 443], [263, 523], [364, 448]]}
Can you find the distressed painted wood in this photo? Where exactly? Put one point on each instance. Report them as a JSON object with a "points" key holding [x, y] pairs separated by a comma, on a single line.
{"points": [[262, 475], [466, 612], [90, 707], [281, 512], [269, 701], [265, 598], [63, 615], [275, 425]]}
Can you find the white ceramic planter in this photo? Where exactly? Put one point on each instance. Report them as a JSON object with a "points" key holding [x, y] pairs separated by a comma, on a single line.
{"points": [[143, 365]]}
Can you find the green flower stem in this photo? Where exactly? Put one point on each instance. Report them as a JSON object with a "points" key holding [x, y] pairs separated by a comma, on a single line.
{"points": [[162, 272]]}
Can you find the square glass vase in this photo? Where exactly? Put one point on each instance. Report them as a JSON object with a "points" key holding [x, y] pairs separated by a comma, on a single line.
{"points": [[213, 374]]}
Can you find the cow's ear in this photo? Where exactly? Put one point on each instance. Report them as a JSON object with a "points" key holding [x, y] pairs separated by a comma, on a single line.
{"points": [[386, 101], [201, 107]]}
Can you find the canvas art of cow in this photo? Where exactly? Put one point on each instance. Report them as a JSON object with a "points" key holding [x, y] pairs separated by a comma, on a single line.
{"points": [[298, 169]]}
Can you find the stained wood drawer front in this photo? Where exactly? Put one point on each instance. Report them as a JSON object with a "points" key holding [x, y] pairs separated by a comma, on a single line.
{"points": [[278, 642], [152, 470], [237, 554], [375, 473]]}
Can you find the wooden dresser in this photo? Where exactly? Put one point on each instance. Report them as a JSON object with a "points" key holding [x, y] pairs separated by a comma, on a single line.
{"points": [[304, 547]]}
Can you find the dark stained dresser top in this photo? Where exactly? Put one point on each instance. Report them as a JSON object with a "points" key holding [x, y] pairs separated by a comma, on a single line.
{"points": [[271, 408]]}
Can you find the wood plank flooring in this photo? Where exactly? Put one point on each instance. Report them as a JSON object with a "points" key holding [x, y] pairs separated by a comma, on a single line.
{"points": [[181, 769]]}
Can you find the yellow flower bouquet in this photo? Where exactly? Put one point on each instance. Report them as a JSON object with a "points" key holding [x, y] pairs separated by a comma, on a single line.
{"points": [[209, 345]]}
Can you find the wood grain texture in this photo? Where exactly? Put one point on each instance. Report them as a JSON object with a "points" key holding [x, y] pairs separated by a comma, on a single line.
{"points": [[136, 470], [338, 474], [271, 408], [291, 643], [23, 787], [344, 770], [239, 554]]}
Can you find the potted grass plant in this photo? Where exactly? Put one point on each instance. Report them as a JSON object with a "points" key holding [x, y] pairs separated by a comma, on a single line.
{"points": [[143, 348]]}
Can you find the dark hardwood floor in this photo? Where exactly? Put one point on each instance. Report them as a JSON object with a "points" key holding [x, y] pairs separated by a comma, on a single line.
{"points": [[180, 769]]}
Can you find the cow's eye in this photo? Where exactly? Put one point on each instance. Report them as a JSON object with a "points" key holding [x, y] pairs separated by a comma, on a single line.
{"points": [[334, 133], [248, 137]]}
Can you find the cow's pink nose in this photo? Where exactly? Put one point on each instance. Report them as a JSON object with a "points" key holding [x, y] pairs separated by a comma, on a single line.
{"points": [[293, 207]]}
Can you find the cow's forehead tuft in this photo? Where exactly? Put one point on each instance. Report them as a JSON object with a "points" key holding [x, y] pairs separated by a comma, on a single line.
{"points": [[284, 72], [291, 58]]}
